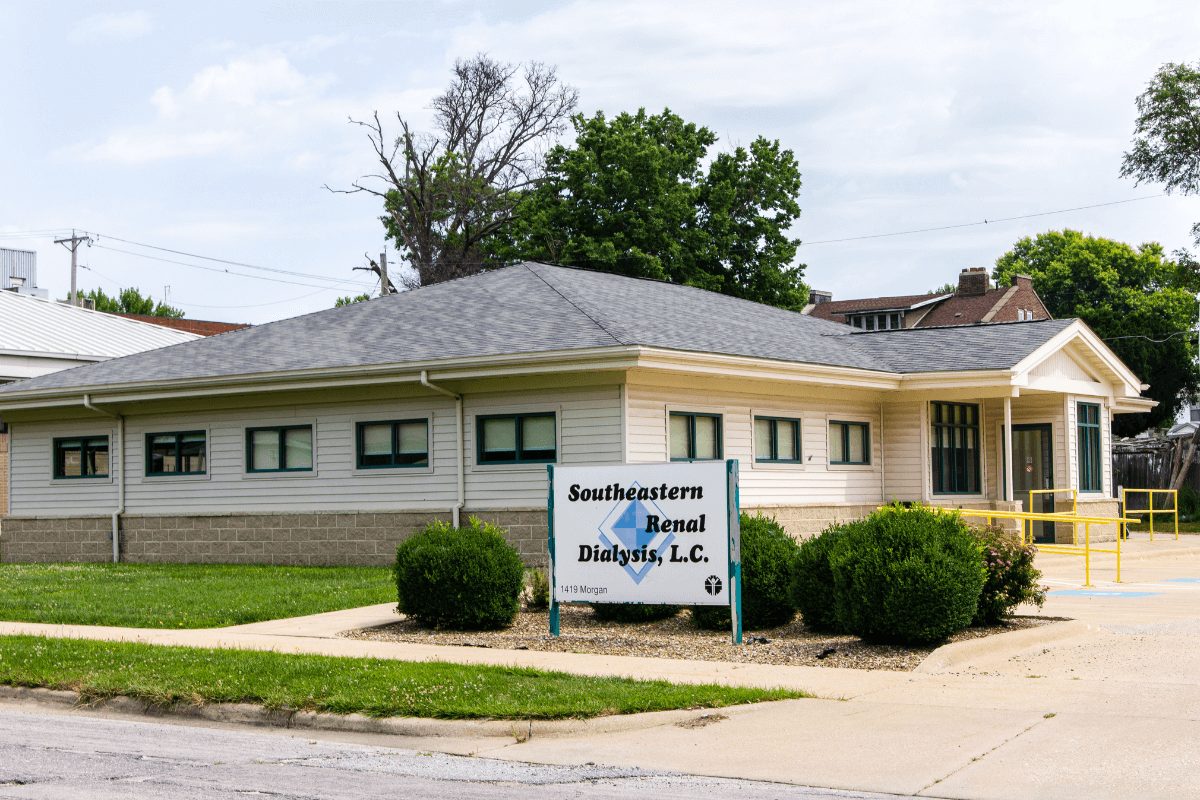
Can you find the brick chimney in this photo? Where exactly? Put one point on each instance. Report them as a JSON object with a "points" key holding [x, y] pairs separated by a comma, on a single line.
{"points": [[973, 281], [1023, 283], [816, 297]]}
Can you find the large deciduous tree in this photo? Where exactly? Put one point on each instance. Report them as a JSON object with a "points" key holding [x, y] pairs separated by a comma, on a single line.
{"points": [[1166, 137], [1141, 303], [445, 194], [632, 196]]}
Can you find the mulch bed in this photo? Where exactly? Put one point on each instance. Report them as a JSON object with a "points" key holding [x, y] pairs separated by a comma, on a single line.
{"points": [[581, 632]]}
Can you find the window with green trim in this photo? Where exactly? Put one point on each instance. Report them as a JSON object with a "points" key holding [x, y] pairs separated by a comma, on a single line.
{"points": [[280, 449], [695, 437], [517, 439], [849, 443], [399, 443], [81, 457], [1089, 447], [776, 439], [954, 448], [176, 453]]}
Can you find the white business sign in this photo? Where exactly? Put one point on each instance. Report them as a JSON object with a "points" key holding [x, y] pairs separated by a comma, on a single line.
{"points": [[644, 533]]}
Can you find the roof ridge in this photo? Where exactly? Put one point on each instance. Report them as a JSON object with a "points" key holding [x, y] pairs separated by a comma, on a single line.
{"points": [[964, 326], [555, 289]]}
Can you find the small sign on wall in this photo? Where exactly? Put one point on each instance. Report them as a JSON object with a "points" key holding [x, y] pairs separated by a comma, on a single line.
{"points": [[646, 533]]}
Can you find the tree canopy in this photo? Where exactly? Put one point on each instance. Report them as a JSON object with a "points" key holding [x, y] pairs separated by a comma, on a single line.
{"points": [[130, 301], [345, 301], [1139, 302], [632, 197], [1166, 141]]}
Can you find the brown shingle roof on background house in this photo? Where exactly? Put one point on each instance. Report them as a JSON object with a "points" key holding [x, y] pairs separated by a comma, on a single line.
{"points": [[836, 310], [199, 327]]}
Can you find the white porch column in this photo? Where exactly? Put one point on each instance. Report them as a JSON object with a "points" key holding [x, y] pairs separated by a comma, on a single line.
{"points": [[1007, 445]]}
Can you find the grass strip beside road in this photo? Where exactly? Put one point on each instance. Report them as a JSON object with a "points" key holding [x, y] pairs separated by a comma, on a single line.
{"points": [[375, 687], [183, 595]]}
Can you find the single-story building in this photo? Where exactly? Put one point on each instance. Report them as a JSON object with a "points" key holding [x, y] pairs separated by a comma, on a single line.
{"points": [[38, 337], [330, 437]]}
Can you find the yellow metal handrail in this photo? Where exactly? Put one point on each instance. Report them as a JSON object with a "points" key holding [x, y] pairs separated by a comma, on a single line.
{"points": [[1173, 511], [1056, 549], [1052, 492]]}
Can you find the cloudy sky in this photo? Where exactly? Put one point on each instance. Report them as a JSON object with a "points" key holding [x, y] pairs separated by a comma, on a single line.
{"points": [[210, 128]]}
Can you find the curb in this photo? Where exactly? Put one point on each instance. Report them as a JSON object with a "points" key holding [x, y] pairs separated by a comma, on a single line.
{"points": [[519, 730], [959, 653]]}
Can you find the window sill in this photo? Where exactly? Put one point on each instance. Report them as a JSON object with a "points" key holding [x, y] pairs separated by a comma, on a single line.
{"points": [[385, 472], [81, 481], [519, 466], [276, 476], [789, 466], [169, 478], [844, 467]]}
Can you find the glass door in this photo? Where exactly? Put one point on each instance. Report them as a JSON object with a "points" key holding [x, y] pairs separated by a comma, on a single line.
{"points": [[1033, 464]]}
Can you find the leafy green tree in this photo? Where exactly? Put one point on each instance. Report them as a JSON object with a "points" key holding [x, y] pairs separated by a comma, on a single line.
{"points": [[945, 288], [1142, 304], [1166, 143], [632, 197], [131, 301], [345, 301]]}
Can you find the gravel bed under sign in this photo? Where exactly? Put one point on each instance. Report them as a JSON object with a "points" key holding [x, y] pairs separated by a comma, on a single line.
{"points": [[791, 644]]}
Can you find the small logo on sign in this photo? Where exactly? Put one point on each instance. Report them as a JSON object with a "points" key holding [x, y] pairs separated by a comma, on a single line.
{"points": [[712, 584]]}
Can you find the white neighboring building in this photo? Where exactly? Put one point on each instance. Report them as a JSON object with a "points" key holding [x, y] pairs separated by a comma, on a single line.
{"points": [[38, 337]]}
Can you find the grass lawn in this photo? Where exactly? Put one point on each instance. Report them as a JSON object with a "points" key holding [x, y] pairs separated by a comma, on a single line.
{"points": [[183, 595], [377, 687], [1165, 524]]}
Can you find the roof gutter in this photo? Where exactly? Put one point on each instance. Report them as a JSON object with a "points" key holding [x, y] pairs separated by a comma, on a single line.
{"points": [[462, 469], [119, 460]]}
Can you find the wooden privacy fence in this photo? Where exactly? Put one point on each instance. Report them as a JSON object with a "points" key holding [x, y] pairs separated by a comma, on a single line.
{"points": [[1147, 464]]}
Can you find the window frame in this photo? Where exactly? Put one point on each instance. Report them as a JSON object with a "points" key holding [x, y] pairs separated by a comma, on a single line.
{"points": [[979, 460], [281, 428], [54, 450], [691, 415], [866, 426], [1092, 429], [773, 419], [148, 455], [554, 414], [357, 433]]}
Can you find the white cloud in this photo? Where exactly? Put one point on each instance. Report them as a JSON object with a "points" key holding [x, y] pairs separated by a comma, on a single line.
{"points": [[130, 25]]}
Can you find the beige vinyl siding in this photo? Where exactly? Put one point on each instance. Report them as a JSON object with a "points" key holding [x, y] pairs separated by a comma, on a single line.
{"points": [[813, 482], [589, 432], [1071, 405], [904, 451], [34, 490]]}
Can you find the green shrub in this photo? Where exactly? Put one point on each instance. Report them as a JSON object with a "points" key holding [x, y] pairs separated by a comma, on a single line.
{"points": [[811, 587], [767, 553], [907, 576], [539, 590], [633, 612], [1011, 578], [466, 578]]}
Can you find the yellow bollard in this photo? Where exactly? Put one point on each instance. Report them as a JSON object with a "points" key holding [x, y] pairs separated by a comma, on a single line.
{"points": [[1119, 553]]}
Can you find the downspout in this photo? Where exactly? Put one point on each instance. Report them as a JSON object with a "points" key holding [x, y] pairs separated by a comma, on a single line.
{"points": [[120, 462], [882, 468], [462, 475]]}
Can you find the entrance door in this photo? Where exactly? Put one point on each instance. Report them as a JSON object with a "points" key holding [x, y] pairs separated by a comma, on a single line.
{"points": [[1034, 469]]}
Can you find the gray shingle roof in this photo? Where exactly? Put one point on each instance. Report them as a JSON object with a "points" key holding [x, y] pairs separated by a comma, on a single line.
{"points": [[530, 308]]}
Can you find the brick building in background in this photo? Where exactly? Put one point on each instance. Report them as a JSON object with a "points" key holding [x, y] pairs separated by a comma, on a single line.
{"points": [[974, 302]]}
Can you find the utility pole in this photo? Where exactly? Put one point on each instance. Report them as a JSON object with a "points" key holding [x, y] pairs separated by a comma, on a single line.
{"points": [[383, 280], [72, 244]]}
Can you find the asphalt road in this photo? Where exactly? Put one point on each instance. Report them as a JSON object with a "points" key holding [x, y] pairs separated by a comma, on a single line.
{"points": [[76, 755]]}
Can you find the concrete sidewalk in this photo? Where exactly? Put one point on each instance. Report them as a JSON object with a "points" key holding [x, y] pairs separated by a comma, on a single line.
{"points": [[1105, 706]]}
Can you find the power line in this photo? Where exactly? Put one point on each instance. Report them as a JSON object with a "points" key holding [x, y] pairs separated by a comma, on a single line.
{"points": [[218, 260], [984, 222], [227, 272]]}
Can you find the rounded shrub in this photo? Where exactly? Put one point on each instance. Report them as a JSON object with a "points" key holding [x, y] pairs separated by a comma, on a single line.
{"points": [[465, 578], [767, 553], [1011, 578], [811, 588], [907, 576], [633, 612]]}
